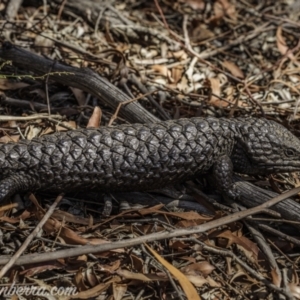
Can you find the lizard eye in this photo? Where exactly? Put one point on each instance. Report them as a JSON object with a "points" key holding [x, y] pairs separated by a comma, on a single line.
{"points": [[289, 152]]}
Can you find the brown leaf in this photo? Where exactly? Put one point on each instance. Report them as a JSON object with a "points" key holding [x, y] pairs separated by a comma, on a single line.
{"points": [[90, 277], [9, 138], [52, 226], [95, 118], [41, 284], [199, 281], [215, 86], [9, 220], [63, 215], [241, 241], [112, 267], [8, 84], [58, 128], [295, 290], [93, 292], [189, 290], [33, 131], [176, 74], [180, 55], [188, 223], [119, 290], [233, 69], [160, 69], [69, 123], [190, 215], [201, 33], [200, 268], [183, 85], [79, 280], [276, 277], [150, 210], [175, 244], [238, 274], [55, 265], [140, 276], [187, 215], [222, 8], [136, 262], [281, 44], [195, 4], [79, 95], [71, 237]]}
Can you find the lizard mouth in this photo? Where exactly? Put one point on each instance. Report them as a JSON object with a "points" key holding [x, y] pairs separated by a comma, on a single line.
{"points": [[281, 167]]}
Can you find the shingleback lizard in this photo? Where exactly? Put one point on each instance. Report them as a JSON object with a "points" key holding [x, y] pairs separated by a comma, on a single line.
{"points": [[148, 156]]}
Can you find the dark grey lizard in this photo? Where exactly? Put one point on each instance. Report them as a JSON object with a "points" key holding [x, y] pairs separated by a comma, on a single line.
{"points": [[145, 157]]}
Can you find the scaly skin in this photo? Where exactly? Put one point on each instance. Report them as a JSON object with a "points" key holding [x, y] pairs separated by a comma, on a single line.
{"points": [[145, 157]]}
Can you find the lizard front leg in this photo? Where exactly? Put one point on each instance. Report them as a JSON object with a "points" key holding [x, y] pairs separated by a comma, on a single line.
{"points": [[222, 172]]}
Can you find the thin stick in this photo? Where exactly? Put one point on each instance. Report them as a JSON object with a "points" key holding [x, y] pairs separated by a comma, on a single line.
{"points": [[115, 115], [28, 118], [42, 257], [11, 262]]}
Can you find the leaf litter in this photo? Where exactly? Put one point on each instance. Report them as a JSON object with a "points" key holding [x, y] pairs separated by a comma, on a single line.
{"points": [[244, 59]]}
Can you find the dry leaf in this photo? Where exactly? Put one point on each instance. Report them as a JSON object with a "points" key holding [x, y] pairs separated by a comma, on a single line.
{"points": [[119, 290], [176, 74], [189, 215], [222, 8], [112, 267], [90, 277], [9, 138], [175, 244], [200, 268], [63, 215], [79, 95], [195, 4], [233, 69], [31, 271], [215, 86], [186, 285], [95, 118], [44, 286], [140, 276], [180, 55], [201, 33], [183, 85], [59, 128], [199, 281], [137, 262], [295, 290], [238, 274], [281, 44], [186, 215], [276, 277], [8, 84], [162, 70], [79, 280], [241, 241], [93, 292], [43, 43], [33, 131]]}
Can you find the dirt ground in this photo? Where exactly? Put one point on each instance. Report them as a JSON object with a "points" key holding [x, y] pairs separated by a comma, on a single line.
{"points": [[70, 64]]}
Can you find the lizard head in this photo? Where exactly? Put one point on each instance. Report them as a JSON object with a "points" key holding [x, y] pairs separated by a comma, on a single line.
{"points": [[268, 146]]}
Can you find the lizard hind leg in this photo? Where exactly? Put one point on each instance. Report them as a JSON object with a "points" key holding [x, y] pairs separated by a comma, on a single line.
{"points": [[14, 184]]}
